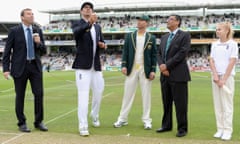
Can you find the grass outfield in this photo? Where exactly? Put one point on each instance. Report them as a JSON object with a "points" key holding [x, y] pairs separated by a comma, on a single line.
{"points": [[61, 113]]}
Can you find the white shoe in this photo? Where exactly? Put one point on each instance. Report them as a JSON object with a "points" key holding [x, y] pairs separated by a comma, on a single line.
{"points": [[218, 134], [95, 122], [119, 124], [84, 131], [226, 136], [147, 126]]}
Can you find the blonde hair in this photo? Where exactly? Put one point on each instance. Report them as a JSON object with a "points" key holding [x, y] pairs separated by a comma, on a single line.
{"points": [[228, 27]]}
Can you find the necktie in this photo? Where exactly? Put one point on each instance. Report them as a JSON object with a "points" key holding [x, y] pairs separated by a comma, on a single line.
{"points": [[30, 54], [168, 43]]}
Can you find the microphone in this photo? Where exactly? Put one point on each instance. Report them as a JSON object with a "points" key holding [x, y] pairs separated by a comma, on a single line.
{"points": [[35, 32], [35, 36]]}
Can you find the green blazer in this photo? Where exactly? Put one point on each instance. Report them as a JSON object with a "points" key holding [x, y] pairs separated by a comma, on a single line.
{"points": [[150, 53]]}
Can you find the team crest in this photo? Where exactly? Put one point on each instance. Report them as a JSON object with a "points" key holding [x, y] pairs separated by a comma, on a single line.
{"points": [[149, 46]]}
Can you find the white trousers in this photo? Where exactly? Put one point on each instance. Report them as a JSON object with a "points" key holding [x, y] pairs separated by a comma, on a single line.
{"points": [[86, 79], [223, 106], [131, 83]]}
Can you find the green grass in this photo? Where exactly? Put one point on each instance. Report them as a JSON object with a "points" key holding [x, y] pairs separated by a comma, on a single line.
{"points": [[60, 103]]}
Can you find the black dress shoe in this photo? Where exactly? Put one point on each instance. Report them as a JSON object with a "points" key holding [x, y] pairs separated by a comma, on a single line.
{"points": [[41, 127], [181, 134], [160, 130], [24, 128]]}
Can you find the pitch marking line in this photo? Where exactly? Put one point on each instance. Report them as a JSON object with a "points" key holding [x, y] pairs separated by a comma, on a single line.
{"points": [[7, 90], [63, 115], [6, 133], [52, 120], [13, 138]]}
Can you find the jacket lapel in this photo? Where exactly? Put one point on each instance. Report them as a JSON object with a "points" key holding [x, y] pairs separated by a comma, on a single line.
{"points": [[174, 38], [22, 35], [134, 37], [97, 33], [147, 39], [164, 43]]}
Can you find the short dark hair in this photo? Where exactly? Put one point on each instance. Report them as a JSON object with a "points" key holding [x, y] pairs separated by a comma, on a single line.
{"points": [[23, 11], [178, 18], [87, 3]]}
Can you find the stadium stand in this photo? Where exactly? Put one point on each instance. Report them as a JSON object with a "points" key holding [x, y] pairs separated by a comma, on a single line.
{"points": [[119, 19]]}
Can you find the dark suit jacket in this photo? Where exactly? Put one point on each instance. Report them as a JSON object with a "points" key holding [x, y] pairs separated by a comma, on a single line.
{"points": [[84, 45], [150, 55], [15, 52], [176, 56]]}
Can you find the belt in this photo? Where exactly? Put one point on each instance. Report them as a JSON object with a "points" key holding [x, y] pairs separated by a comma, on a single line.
{"points": [[30, 61]]}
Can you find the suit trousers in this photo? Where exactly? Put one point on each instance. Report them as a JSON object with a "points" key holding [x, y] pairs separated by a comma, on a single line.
{"points": [[131, 83], [223, 106], [177, 93], [32, 74], [86, 80]]}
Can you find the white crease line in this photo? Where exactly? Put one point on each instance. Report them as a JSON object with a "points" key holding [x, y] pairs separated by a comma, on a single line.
{"points": [[7, 141], [201, 76], [7, 90], [70, 81], [5, 133], [60, 116], [45, 89], [109, 85], [3, 110]]}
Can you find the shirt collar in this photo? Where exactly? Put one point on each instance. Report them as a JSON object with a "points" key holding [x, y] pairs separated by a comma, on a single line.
{"points": [[25, 27], [175, 31]]}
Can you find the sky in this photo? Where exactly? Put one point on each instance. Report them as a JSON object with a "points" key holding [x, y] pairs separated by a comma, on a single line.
{"points": [[10, 9]]}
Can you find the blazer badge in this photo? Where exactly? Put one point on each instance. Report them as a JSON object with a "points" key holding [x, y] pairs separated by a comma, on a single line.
{"points": [[149, 46]]}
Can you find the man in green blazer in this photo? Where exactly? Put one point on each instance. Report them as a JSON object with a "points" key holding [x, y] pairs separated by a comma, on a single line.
{"points": [[139, 65]]}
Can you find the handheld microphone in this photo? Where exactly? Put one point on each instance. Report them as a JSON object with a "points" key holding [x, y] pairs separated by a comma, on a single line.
{"points": [[35, 32], [36, 36]]}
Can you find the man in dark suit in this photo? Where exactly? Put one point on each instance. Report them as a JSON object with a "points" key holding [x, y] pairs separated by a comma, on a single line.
{"points": [[175, 75], [89, 41], [21, 60]]}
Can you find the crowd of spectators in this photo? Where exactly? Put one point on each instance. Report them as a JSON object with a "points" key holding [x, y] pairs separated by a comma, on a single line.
{"points": [[56, 61], [128, 23], [63, 61], [196, 61]]}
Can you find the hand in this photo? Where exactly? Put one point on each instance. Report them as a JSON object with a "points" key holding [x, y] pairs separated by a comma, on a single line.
{"points": [[163, 67], [152, 76], [102, 45], [220, 83], [166, 73], [93, 18], [36, 38], [124, 70], [6, 75], [215, 78]]}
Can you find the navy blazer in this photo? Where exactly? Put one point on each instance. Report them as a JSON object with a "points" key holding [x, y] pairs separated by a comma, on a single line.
{"points": [[176, 61], [84, 44], [15, 52]]}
